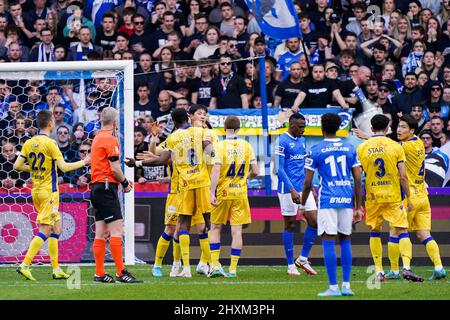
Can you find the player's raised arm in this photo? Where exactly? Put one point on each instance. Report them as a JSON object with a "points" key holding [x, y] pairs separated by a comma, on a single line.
{"points": [[70, 166], [162, 160]]}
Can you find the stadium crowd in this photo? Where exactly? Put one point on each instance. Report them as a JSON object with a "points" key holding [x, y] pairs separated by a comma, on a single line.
{"points": [[204, 51]]}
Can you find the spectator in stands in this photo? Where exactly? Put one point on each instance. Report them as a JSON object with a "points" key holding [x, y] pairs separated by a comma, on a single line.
{"points": [[270, 82], [332, 70], [14, 53], [12, 36], [193, 10], [436, 162], [346, 59], [417, 113], [106, 35], [78, 134], [139, 147], [241, 34], [122, 43], [81, 51], [318, 91], [372, 90], [68, 151], [45, 51], [58, 114], [139, 39], [437, 131], [434, 96], [33, 100], [288, 90], [292, 54], [216, 15], [14, 110], [227, 24], [382, 101], [204, 84], [164, 105], [431, 64], [159, 37], [198, 36], [411, 95], [10, 178], [19, 134], [60, 53], [127, 17], [209, 46], [75, 20], [81, 177], [143, 105], [309, 36], [228, 90]]}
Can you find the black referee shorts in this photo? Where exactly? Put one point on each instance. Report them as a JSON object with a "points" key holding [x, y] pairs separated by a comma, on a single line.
{"points": [[105, 203]]}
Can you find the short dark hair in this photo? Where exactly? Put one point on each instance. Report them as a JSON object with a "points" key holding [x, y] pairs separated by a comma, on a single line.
{"points": [[141, 130], [108, 14], [411, 73], [380, 47], [411, 122], [296, 116], [232, 122], [179, 116], [43, 118], [331, 123], [379, 122], [196, 107]]}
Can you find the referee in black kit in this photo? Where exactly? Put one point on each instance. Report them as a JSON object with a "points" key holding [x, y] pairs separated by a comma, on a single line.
{"points": [[105, 178]]}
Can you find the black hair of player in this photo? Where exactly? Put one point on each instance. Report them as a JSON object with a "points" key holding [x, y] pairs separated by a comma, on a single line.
{"points": [[195, 107], [179, 116], [331, 123], [43, 118], [296, 116], [411, 122], [379, 122]]}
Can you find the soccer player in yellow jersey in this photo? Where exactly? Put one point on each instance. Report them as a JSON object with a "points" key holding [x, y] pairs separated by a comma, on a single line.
{"points": [[186, 148], [233, 160], [44, 158], [383, 161], [419, 218]]}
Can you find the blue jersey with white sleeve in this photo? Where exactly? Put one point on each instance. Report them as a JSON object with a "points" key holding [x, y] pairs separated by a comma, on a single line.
{"points": [[334, 160], [290, 154]]}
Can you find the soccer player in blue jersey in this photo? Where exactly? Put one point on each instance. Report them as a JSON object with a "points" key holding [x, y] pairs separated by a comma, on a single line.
{"points": [[336, 162], [290, 153]]}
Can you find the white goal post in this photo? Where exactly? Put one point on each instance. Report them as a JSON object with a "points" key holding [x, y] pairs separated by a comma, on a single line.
{"points": [[33, 69]]}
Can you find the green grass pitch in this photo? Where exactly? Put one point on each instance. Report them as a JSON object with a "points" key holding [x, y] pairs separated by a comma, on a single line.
{"points": [[253, 283]]}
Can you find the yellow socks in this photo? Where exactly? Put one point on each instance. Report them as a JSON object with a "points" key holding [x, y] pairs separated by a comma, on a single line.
{"points": [[185, 242], [405, 248], [33, 249], [377, 250], [235, 255], [215, 254], [161, 248], [433, 252], [53, 249], [204, 245], [176, 250], [394, 253]]}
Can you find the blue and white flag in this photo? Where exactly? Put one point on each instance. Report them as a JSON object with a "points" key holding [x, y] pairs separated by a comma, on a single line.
{"points": [[276, 18]]}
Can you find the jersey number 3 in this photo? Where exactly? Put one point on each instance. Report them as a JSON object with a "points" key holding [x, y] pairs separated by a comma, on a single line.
{"points": [[381, 170]]}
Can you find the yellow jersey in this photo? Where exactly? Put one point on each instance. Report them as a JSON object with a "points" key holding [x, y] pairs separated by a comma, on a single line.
{"points": [[188, 160], [234, 156], [41, 153], [173, 175], [415, 166], [379, 157]]}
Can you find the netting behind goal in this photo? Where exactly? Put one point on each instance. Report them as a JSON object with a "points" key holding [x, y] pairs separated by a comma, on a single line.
{"points": [[75, 95]]}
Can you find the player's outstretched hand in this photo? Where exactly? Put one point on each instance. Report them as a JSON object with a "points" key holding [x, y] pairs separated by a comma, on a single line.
{"points": [[296, 197], [360, 134], [213, 200], [87, 160], [130, 162], [129, 187], [358, 215]]}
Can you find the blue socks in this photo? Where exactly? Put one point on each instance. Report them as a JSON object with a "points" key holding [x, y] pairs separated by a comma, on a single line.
{"points": [[288, 243], [329, 255], [346, 259], [308, 240]]}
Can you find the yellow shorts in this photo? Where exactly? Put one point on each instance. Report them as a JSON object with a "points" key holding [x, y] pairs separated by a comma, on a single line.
{"points": [[171, 215], [47, 206], [419, 218], [394, 213], [238, 210], [194, 201]]}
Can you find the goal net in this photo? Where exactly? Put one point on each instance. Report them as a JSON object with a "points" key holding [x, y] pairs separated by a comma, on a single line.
{"points": [[75, 92]]}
